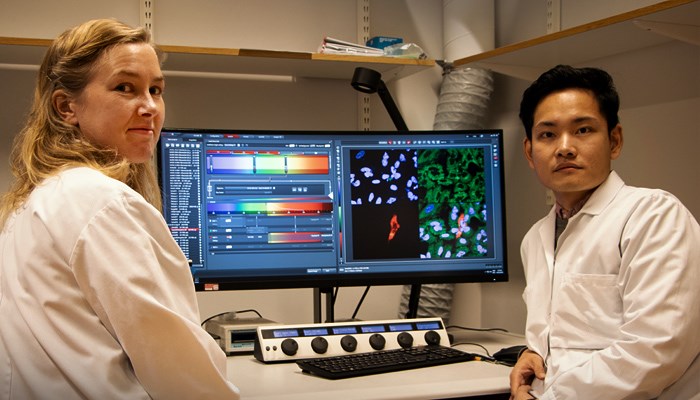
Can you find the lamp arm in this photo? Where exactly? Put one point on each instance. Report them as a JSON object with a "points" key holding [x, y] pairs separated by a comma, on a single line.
{"points": [[391, 107]]}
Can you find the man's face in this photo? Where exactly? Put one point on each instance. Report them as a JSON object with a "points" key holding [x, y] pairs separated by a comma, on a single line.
{"points": [[571, 150]]}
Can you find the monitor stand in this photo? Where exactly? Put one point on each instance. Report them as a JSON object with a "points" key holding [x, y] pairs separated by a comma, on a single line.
{"points": [[327, 292], [413, 300], [319, 293]]}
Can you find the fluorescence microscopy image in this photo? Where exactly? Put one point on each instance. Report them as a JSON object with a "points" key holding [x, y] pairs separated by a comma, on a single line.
{"points": [[452, 202], [418, 203], [384, 207]]}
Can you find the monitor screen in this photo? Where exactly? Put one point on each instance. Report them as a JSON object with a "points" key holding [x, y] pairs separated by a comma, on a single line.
{"points": [[272, 209]]}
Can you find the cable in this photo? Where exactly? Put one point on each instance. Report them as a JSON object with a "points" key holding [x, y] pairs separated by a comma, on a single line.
{"points": [[480, 357], [359, 304], [488, 357], [477, 329], [214, 316], [473, 344], [499, 357], [249, 310], [228, 312]]}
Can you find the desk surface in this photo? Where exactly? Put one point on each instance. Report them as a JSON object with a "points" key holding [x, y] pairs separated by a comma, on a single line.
{"points": [[285, 381]]}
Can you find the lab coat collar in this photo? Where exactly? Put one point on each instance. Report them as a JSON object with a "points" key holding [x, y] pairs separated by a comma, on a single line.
{"points": [[603, 195], [599, 200]]}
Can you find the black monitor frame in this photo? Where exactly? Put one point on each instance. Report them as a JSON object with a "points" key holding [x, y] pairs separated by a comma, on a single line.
{"points": [[255, 141]]}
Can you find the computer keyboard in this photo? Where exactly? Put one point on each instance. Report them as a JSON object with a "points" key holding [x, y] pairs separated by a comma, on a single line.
{"points": [[347, 366]]}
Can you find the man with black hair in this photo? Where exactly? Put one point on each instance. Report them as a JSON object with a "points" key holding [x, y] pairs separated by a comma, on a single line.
{"points": [[612, 271]]}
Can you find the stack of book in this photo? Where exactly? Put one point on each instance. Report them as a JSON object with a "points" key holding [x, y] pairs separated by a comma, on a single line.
{"points": [[336, 46]]}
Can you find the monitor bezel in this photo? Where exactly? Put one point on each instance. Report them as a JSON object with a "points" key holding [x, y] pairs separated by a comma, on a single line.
{"points": [[356, 279]]}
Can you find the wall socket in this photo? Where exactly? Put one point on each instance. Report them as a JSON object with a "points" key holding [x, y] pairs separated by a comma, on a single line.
{"points": [[549, 197]]}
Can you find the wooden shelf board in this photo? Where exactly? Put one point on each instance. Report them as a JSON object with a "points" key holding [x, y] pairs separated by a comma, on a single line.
{"points": [[24, 41], [297, 64], [240, 61], [585, 43]]}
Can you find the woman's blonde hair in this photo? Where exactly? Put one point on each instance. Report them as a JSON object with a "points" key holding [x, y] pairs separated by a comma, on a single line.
{"points": [[46, 144]]}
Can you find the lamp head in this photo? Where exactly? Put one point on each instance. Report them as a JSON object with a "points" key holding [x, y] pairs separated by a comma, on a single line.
{"points": [[370, 81], [366, 80]]}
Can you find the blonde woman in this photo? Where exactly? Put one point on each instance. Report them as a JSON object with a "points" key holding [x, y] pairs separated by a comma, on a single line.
{"points": [[96, 299]]}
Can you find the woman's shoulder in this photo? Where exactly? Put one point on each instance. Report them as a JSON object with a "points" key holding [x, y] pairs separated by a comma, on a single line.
{"points": [[62, 206], [81, 189], [85, 178], [89, 182]]}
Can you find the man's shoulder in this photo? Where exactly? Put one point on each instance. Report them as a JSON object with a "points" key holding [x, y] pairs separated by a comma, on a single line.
{"points": [[642, 207], [643, 196]]}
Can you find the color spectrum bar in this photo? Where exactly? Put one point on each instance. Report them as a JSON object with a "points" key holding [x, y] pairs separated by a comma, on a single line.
{"points": [[267, 164], [280, 208], [294, 237]]}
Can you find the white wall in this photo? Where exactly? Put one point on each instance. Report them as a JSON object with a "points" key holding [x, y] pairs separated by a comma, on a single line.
{"points": [[45, 19], [12, 113]]}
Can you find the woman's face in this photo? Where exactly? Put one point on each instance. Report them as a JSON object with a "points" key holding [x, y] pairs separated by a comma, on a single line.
{"points": [[122, 105]]}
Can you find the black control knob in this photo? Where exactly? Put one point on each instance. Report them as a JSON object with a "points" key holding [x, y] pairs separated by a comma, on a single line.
{"points": [[405, 340], [348, 343], [432, 338], [319, 345], [377, 341], [290, 347]]}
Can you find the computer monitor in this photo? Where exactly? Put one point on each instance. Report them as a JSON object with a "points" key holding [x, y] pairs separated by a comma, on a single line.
{"points": [[322, 209]]}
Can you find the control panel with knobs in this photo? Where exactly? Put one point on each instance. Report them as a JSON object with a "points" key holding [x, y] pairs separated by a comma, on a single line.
{"points": [[279, 343]]}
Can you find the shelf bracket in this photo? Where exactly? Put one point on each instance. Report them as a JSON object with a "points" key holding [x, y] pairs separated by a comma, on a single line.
{"points": [[363, 99], [393, 74], [553, 16], [516, 71], [682, 32], [146, 15]]}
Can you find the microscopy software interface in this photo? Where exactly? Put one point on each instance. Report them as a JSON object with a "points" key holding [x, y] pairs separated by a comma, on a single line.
{"points": [[315, 204]]}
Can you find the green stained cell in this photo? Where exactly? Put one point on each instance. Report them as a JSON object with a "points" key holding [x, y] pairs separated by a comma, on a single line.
{"points": [[452, 197]]}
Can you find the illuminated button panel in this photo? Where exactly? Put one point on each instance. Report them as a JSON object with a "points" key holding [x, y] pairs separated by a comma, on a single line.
{"points": [[295, 342]]}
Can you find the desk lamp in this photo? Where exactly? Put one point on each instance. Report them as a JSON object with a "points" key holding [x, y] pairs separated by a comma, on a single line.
{"points": [[370, 81]]}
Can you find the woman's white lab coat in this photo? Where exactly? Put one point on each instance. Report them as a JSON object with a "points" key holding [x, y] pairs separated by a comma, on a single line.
{"points": [[97, 301], [615, 310]]}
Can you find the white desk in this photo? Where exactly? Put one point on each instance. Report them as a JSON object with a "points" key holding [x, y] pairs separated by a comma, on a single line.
{"points": [[285, 381]]}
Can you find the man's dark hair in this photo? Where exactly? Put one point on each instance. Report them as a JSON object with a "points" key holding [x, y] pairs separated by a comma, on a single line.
{"points": [[562, 77]]}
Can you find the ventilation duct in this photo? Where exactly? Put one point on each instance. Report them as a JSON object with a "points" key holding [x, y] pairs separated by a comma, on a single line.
{"points": [[468, 28]]}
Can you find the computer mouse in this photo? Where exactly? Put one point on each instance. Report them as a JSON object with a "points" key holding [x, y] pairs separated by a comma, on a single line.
{"points": [[509, 355]]}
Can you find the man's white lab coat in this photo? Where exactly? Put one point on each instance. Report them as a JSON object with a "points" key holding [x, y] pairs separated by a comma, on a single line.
{"points": [[615, 310]]}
